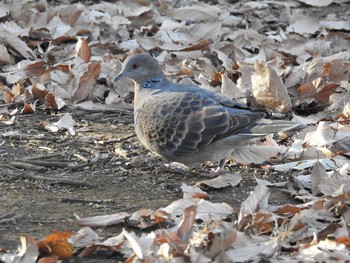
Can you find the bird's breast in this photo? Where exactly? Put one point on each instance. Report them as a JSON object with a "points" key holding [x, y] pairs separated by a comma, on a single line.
{"points": [[156, 120]]}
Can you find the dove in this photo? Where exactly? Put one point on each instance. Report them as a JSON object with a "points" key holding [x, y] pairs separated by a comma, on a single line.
{"points": [[189, 124]]}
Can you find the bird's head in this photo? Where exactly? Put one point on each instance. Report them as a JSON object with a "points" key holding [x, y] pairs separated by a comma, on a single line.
{"points": [[140, 68]]}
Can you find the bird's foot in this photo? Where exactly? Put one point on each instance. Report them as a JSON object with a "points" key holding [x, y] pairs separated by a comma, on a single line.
{"points": [[219, 171], [174, 167], [212, 174]]}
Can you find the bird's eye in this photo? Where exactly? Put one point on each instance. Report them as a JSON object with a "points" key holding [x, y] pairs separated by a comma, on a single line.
{"points": [[135, 66]]}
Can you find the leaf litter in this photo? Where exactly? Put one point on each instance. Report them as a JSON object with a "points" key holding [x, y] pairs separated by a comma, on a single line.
{"points": [[280, 56]]}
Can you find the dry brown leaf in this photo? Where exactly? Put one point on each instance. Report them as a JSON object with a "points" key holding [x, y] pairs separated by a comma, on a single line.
{"points": [[37, 68], [336, 71], [262, 222], [9, 97], [177, 247], [64, 39], [56, 244], [50, 259], [62, 67], [184, 71], [256, 201], [18, 89], [317, 90], [184, 230], [287, 210], [343, 240], [27, 108], [38, 93], [193, 192], [83, 50], [161, 216], [87, 82], [50, 101], [199, 45], [269, 90]]}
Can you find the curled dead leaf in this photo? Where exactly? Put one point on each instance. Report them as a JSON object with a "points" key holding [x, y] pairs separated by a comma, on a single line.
{"points": [[18, 89], [27, 108], [269, 90], [9, 97], [83, 50], [318, 90], [199, 45], [38, 93], [50, 101], [287, 210], [56, 244], [87, 82], [189, 218], [184, 71], [37, 68]]}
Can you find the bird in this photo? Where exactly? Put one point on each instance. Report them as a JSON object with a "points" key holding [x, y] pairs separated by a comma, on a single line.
{"points": [[188, 124]]}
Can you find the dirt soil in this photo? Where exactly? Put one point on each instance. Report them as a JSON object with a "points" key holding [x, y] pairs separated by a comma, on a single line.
{"points": [[101, 170]]}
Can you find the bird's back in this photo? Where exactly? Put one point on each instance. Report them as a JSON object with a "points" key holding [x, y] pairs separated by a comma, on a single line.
{"points": [[181, 120]]}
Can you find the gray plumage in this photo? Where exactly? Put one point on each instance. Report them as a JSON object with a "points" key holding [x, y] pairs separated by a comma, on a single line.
{"points": [[188, 124]]}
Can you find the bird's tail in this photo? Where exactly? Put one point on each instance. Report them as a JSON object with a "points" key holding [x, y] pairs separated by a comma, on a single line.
{"points": [[268, 126]]}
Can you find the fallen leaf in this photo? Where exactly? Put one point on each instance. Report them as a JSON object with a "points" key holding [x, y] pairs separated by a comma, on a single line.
{"points": [[199, 45], [27, 108], [221, 181], [135, 246], [87, 82], [193, 192], [37, 68], [83, 50], [269, 90], [256, 201], [28, 252], [184, 230], [57, 244], [103, 220], [39, 91]]}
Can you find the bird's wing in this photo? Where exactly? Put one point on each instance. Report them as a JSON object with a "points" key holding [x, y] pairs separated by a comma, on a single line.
{"points": [[187, 121]]}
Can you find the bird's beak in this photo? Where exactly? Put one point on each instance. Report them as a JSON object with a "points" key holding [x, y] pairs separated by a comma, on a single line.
{"points": [[120, 76]]}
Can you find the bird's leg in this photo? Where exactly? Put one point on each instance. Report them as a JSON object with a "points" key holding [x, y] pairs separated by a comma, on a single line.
{"points": [[218, 171]]}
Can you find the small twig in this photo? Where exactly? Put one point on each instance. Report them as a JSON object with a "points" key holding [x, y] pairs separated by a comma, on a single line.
{"points": [[6, 216], [54, 180], [83, 165], [50, 164], [42, 157], [124, 138], [22, 137], [120, 139], [66, 143], [10, 219], [79, 200], [27, 166], [42, 221]]}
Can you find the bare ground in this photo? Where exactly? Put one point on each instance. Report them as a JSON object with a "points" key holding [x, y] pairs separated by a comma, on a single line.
{"points": [[100, 170]]}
